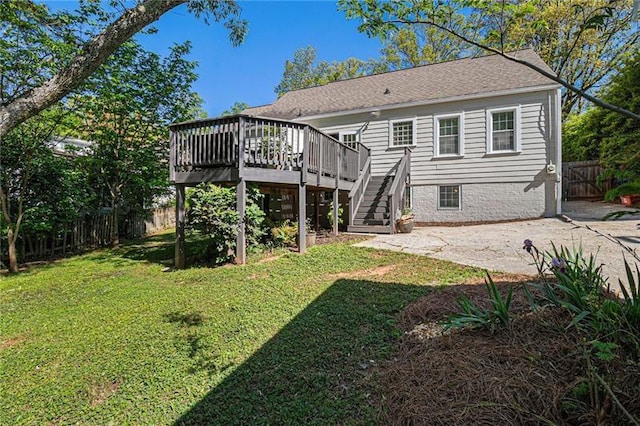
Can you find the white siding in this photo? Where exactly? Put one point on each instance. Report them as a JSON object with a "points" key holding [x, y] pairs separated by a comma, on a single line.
{"points": [[476, 166]]}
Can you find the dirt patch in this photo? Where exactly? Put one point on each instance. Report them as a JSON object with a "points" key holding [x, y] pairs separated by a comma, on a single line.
{"points": [[533, 374], [269, 259], [503, 278], [364, 273], [99, 392], [340, 238], [12, 342]]}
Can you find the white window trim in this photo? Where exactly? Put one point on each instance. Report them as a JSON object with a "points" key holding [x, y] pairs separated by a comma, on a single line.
{"points": [[517, 129], [436, 135], [414, 121], [459, 199], [349, 132]]}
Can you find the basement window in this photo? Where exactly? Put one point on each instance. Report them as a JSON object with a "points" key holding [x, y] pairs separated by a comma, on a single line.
{"points": [[449, 197]]}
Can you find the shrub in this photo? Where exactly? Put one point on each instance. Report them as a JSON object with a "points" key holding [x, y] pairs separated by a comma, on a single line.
{"points": [[284, 235], [330, 214], [211, 210]]}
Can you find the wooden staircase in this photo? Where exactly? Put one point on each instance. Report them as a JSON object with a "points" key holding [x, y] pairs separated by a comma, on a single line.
{"points": [[374, 201], [373, 214]]}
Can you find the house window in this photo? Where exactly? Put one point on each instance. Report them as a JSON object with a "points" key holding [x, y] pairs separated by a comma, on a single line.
{"points": [[350, 139], [402, 132], [503, 130], [448, 135], [449, 197]]}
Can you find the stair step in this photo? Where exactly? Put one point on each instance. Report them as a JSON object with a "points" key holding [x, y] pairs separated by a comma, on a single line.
{"points": [[373, 209], [380, 178], [371, 222], [372, 215], [373, 197], [369, 229], [372, 205]]}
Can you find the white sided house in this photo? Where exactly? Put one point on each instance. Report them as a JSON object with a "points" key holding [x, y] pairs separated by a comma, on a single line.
{"points": [[484, 134], [470, 140]]}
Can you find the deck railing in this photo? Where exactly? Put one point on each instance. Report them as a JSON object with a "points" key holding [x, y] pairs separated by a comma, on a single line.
{"points": [[356, 195], [265, 143], [398, 188]]}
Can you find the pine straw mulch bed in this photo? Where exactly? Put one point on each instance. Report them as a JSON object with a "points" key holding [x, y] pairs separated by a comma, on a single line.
{"points": [[527, 376]]}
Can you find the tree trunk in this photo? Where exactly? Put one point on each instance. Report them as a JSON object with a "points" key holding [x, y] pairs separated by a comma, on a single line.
{"points": [[13, 256], [115, 236]]}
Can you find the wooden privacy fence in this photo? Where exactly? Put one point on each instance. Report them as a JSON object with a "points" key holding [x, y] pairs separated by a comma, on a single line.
{"points": [[579, 180], [90, 232]]}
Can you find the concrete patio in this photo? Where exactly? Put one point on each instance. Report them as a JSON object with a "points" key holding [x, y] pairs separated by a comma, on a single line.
{"points": [[498, 246]]}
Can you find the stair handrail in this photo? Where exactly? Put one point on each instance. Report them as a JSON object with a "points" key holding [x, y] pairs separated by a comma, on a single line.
{"points": [[398, 187], [356, 195]]}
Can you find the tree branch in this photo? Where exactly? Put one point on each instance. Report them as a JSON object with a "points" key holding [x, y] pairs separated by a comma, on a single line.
{"points": [[93, 54], [545, 73]]}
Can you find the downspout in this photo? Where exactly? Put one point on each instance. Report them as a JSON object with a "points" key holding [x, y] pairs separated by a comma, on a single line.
{"points": [[361, 130], [558, 134]]}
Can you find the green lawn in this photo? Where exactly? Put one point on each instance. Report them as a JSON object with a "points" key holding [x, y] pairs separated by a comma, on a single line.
{"points": [[108, 337]]}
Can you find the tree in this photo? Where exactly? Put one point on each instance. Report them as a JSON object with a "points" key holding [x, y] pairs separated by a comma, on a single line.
{"points": [[415, 45], [583, 41], [236, 108], [38, 189], [36, 88], [126, 108], [500, 18], [614, 137], [305, 70]]}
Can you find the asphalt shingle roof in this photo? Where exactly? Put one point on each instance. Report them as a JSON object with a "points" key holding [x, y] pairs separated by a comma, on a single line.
{"points": [[428, 83]]}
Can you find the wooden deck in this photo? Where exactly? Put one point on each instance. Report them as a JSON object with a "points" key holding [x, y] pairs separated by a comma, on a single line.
{"points": [[263, 150], [241, 148]]}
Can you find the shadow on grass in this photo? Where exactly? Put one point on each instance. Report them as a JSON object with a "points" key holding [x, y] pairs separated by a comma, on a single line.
{"points": [[317, 369], [161, 248]]}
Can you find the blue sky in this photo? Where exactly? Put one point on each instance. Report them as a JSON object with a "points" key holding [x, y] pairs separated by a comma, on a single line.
{"points": [[249, 72]]}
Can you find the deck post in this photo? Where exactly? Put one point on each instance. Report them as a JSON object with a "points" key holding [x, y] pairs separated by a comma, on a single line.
{"points": [[179, 261], [335, 211], [241, 206], [335, 192], [306, 145], [320, 159], [302, 218]]}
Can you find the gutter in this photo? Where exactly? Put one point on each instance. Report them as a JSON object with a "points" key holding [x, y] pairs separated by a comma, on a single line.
{"points": [[429, 102], [558, 122]]}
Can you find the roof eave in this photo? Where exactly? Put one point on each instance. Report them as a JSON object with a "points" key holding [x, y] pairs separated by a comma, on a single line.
{"points": [[522, 90]]}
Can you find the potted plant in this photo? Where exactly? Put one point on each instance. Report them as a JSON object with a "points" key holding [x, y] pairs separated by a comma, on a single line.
{"points": [[405, 222], [310, 234], [628, 192]]}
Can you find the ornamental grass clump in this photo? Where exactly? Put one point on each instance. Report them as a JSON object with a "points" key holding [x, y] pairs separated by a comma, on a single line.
{"points": [[473, 316]]}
